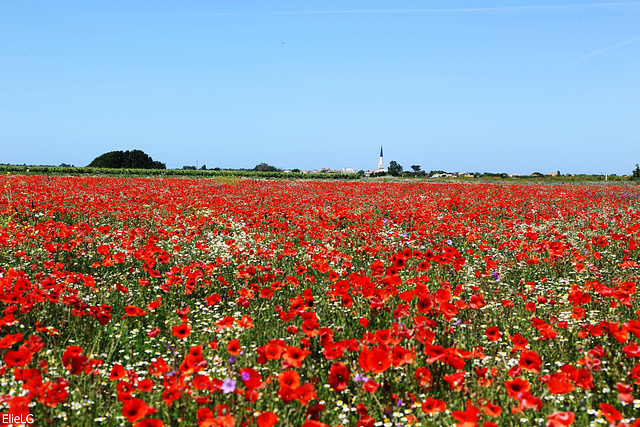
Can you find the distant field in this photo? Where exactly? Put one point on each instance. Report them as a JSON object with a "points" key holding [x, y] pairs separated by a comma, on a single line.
{"points": [[199, 173], [208, 173], [237, 302]]}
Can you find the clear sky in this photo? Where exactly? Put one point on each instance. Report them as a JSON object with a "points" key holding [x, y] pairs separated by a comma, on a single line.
{"points": [[479, 86]]}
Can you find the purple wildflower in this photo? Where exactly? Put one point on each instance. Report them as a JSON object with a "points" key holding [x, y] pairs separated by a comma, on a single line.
{"points": [[228, 386]]}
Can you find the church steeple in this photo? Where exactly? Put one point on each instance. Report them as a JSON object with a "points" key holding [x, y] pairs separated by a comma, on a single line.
{"points": [[381, 162]]}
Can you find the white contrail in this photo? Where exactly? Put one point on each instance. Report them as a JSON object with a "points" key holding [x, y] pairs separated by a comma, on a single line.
{"points": [[372, 11], [606, 49]]}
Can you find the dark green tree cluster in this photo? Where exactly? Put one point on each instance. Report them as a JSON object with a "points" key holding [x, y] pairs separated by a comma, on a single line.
{"points": [[263, 167], [134, 159], [635, 175], [394, 169]]}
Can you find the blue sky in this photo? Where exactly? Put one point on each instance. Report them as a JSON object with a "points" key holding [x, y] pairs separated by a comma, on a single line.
{"points": [[480, 86]]}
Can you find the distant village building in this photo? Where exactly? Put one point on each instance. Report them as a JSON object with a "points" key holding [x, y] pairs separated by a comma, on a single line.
{"points": [[381, 167]]}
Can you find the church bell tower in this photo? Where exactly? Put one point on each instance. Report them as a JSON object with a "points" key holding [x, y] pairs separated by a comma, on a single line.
{"points": [[381, 161]]}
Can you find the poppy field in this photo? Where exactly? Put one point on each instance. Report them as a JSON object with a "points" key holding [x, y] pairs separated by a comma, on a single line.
{"points": [[230, 302]]}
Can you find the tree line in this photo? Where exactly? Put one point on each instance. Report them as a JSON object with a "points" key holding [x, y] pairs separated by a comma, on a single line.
{"points": [[136, 162]]}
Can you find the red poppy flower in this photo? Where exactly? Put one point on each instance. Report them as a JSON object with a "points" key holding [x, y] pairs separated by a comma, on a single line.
{"points": [[134, 409], [455, 380], [530, 361], [118, 257], [181, 331], [435, 353], [289, 379], [201, 382], [145, 385], [103, 250], [468, 416], [399, 263], [132, 310], [517, 386], [117, 372], [251, 378], [339, 376], [528, 401], [406, 296], [294, 356], [610, 413], [443, 295], [170, 395], [74, 360], [286, 394], [424, 377], [371, 386], [158, 367], [560, 419], [582, 378], [519, 343], [234, 347], [375, 360], [58, 393], [10, 340], [206, 418], [149, 422], [383, 336], [267, 419], [424, 265], [431, 405], [334, 350], [103, 318], [34, 344], [305, 393], [20, 357], [89, 281], [492, 410], [213, 299], [125, 389], [493, 333], [631, 350], [274, 349], [560, 386], [314, 423], [193, 361]]}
